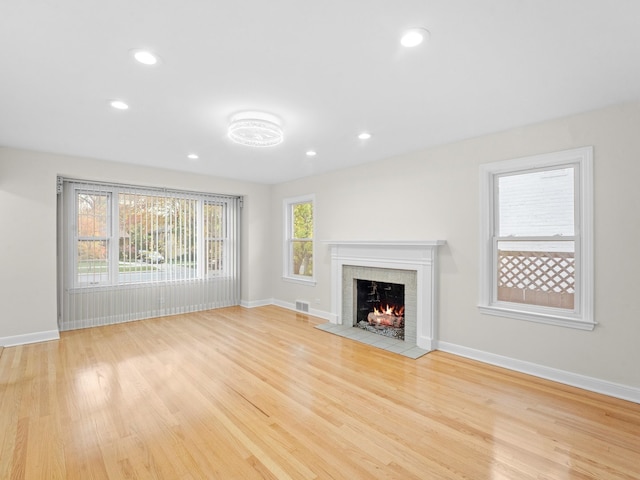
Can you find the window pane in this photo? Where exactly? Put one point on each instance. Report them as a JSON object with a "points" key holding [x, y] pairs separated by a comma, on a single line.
{"points": [[93, 262], [213, 215], [214, 232], [537, 273], [214, 256], [303, 220], [93, 211], [536, 203], [157, 238], [302, 252], [128, 211], [179, 241]]}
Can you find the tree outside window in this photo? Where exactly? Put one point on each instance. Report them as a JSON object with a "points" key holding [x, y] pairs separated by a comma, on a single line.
{"points": [[299, 238], [302, 242], [127, 235], [93, 221]]}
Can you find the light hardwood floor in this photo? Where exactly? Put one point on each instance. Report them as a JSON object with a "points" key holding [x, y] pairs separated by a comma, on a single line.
{"points": [[242, 394]]}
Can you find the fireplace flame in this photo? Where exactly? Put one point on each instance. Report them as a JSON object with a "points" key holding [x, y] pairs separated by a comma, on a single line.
{"points": [[389, 310], [389, 315]]}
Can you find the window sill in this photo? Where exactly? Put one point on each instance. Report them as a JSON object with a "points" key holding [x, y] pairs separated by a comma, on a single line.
{"points": [[545, 318], [157, 283], [300, 280]]}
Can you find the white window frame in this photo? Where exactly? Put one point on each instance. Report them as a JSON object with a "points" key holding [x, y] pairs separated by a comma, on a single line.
{"points": [[287, 253], [582, 315], [112, 191], [112, 246]]}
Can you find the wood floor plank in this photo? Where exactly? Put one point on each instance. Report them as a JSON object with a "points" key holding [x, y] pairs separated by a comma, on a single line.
{"points": [[259, 393]]}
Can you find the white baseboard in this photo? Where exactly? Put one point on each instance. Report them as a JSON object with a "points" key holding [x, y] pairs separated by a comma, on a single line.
{"points": [[289, 306], [312, 311], [611, 389], [36, 337], [256, 303], [322, 314]]}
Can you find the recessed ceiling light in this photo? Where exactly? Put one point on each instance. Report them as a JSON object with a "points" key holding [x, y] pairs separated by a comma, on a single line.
{"points": [[119, 104], [364, 136], [311, 153], [414, 37], [145, 57], [193, 156]]}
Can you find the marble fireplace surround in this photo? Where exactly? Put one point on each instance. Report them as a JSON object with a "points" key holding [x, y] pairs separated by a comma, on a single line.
{"points": [[347, 257]]}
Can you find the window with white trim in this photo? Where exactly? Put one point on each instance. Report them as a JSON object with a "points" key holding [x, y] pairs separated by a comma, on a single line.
{"points": [[129, 252], [134, 235], [299, 244], [537, 236], [93, 236]]}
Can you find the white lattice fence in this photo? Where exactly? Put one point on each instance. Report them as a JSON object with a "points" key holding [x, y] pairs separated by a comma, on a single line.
{"points": [[537, 278]]}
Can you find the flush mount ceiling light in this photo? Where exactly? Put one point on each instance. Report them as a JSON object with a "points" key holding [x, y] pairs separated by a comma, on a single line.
{"points": [[193, 156], [118, 104], [145, 57], [311, 153], [255, 129], [364, 136], [414, 37]]}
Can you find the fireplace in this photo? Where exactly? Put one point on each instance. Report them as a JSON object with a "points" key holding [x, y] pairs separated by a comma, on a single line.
{"points": [[399, 280], [411, 265], [380, 308]]}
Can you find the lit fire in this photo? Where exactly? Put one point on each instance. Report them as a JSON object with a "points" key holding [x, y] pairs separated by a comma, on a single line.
{"points": [[390, 310], [390, 316]]}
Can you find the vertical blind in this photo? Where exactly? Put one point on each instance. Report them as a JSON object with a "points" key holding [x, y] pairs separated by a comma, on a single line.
{"points": [[128, 252]]}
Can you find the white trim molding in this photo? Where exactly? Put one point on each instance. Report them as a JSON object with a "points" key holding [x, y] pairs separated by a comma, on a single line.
{"points": [[256, 303], [312, 311], [418, 256], [591, 384], [15, 340], [289, 306]]}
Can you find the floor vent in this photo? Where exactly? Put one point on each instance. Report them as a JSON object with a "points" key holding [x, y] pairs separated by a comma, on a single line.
{"points": [[302, 306]]}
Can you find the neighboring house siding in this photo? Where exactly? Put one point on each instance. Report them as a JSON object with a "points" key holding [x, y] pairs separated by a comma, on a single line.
{"points": [[543, 207]]}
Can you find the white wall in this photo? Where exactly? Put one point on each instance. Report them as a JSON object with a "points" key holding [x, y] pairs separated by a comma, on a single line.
{"points": [[28, 240], [433, 194]]}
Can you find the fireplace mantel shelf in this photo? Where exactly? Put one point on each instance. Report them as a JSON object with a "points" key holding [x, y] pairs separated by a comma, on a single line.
{"points": [[400, 243]]}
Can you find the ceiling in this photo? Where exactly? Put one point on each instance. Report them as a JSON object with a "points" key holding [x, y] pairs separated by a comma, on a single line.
{"points": [[327, 69]]}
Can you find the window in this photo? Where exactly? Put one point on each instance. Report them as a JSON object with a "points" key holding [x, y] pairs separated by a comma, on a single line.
{"points": [[215, 237], [299, 226], [134, 252], [137, 236], [537, 254], [93, 235]]}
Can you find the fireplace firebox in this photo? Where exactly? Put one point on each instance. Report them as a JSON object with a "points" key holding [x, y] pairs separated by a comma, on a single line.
{"points": [[380, 307]]}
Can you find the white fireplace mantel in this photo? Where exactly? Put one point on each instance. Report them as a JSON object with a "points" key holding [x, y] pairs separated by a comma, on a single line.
{"points": [[418, 256]]}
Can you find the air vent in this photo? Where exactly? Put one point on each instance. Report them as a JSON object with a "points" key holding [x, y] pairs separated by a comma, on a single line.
{"points": [[302, 306]]}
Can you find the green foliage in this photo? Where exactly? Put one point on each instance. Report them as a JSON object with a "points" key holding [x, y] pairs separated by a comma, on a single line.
{"points": [[303, 220], [302, 246]]}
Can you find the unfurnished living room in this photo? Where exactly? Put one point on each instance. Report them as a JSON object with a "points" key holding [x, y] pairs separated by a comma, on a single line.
{"points": [[286, 239]]}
